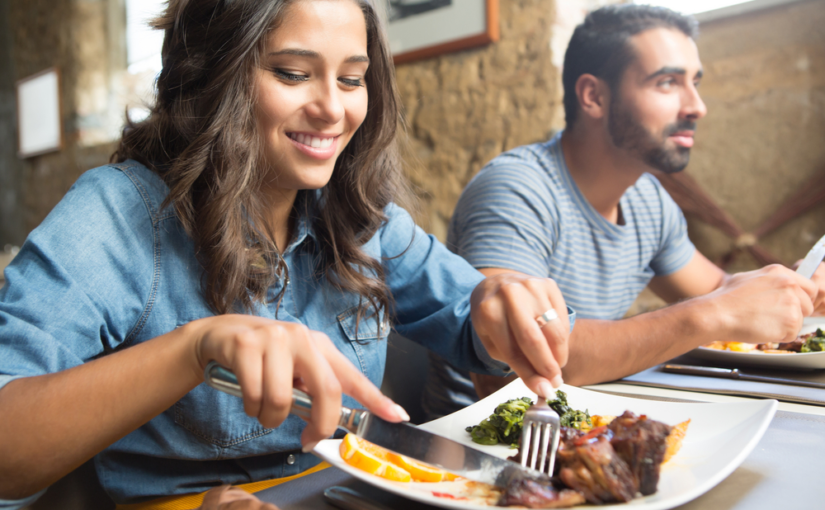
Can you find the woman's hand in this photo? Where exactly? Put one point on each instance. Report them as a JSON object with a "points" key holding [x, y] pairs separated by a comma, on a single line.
{"points": [[227, 497], [270, 357], [505, 307]]}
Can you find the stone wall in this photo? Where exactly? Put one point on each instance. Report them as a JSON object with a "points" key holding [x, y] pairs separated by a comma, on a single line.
{"points": [[465, 108], [73, 36], [764, 134]]}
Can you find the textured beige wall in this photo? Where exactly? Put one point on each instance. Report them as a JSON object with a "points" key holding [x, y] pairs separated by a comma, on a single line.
{"points": [[465, 108], [764, 135], [72, 36]]}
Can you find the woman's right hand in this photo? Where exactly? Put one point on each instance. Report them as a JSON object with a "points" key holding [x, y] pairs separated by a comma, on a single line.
{"points": [[271, 357]]}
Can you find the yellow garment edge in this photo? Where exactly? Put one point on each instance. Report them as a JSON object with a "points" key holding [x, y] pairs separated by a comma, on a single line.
{"points": [[191, 501]]}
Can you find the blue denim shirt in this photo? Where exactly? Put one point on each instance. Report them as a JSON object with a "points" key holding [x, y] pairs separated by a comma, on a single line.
{"points": [[109, 268]]}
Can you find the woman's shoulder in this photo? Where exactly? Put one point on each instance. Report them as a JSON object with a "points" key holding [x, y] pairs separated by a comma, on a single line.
{"points": [[123, 185]]}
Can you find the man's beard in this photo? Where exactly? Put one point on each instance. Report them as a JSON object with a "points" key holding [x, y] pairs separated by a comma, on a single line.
{"points": [[628, 134]]}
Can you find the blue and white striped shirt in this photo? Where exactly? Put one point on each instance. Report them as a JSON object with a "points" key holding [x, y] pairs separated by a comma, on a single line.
{"points": [[523, 211]]}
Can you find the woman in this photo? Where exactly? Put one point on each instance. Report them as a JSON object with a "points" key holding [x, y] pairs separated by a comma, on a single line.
{"points": [[250, 220]]}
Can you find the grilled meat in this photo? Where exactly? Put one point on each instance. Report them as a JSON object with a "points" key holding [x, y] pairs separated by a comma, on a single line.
{"points": [[641, 443], [534, 493], [590, 465]]}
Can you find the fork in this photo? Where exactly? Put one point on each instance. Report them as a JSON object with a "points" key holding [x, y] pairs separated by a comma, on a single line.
{"points": [[540, 430]]}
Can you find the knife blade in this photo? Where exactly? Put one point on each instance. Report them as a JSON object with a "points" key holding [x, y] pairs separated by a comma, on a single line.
{"points": [[734, 373], [402, 438], [812, 259]]}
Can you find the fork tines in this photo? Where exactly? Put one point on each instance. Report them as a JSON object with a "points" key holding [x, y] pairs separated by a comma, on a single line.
{"points": [[540, 437]]}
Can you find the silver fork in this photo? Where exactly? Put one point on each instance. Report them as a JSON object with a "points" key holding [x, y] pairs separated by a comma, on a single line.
{"points": [[540, 431]]}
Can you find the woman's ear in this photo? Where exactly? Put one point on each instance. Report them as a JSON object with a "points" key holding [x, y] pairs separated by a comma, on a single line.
{"points": [[593, 95]]}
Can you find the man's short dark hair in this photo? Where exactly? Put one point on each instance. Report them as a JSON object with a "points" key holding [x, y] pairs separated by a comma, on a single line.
{"points": [[601, 45]]}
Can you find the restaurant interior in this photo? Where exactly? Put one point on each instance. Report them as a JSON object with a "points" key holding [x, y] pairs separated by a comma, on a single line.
{"points": [[753, 193]]}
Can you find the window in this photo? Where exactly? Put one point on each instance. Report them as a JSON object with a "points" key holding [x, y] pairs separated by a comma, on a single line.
{"points": [[706, 10]]}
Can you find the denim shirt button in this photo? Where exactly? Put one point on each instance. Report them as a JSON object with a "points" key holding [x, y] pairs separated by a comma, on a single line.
{"points": [[290, 459]]}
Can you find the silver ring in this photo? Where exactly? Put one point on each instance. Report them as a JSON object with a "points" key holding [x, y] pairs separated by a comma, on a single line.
{"points": [[548, 316]]}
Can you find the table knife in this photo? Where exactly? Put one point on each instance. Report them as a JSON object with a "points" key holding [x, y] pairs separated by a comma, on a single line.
{"points": [[812, 259], [734, 373], [402, 438]]}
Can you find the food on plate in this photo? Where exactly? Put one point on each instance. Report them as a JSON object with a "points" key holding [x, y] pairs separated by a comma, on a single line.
{"points": [[569, 417], [379, 461], [611, 463], [674, 439], [810, 342], [600, 459], [368, 457], [532, 493], [504, 425]]}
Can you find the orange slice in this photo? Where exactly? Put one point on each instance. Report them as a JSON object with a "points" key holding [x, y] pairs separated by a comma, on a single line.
{"points": [[370, 458], [379, 461], [419, 471]]}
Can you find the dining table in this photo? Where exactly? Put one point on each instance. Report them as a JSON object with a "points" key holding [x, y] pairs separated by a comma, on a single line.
{"points": [[784, 470]]}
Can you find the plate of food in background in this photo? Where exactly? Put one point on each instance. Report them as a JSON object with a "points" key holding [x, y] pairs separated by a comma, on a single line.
{"points": [[807, 352], [714, 440]]}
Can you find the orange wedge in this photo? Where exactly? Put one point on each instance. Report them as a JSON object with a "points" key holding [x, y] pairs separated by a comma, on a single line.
{"points": [[379, 461], [370, 458], [419, 471]]}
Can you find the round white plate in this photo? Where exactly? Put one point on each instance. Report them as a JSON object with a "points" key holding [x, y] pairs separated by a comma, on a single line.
{"points": [[796, 361], [718, 439]]}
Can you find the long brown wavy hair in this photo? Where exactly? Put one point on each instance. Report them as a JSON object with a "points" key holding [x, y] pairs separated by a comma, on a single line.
{"points": [[201, 138]]}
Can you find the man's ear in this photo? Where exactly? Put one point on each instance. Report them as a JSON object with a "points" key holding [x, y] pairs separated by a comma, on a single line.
{"points": [[593, 95]]}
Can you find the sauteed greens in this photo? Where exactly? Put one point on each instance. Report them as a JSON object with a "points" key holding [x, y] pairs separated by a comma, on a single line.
{"points": [[569, 417], [505, 424], [814, 343]]}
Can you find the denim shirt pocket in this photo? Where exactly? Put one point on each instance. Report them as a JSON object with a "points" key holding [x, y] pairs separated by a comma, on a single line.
{"points": [[368, 338], [216, 418]]}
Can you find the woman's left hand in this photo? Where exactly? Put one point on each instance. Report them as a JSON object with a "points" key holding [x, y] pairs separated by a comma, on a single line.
{"points": [[227, 497], [505, 309]]}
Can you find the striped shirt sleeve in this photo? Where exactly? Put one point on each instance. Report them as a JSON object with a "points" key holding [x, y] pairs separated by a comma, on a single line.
{"points": [[506, 219]]}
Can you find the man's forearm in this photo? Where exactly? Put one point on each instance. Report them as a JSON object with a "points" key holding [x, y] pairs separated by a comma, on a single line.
{"points": [[603, 350]]}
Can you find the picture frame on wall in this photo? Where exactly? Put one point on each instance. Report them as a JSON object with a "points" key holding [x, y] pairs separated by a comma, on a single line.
{"points": [[39, 127], [419, 29]]}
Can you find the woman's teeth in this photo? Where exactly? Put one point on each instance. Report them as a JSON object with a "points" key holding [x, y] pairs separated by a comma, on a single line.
{"points": [[312, 141]]}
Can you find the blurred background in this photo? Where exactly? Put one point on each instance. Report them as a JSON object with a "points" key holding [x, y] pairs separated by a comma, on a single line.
{"points": [[763, 139], [758, 162]]}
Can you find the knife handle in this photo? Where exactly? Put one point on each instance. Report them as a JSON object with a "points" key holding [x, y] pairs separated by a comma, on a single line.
{"points": [[223, 379], [730, 373]]}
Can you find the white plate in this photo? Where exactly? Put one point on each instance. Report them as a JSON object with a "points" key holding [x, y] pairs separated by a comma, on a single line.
{"points": [[718, 439], [795, 361]]}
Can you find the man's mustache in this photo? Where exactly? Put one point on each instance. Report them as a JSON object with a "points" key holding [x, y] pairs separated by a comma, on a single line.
{"points": [[681, 125]]}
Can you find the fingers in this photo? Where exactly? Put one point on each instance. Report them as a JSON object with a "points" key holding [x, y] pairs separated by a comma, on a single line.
{"points": [[227, 497], [355, 384], [322, 385], [533, 342], [819, 281], [278, 374], [505, 308]]}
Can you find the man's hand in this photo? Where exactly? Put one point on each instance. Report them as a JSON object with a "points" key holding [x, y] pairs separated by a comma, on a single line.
{"points": [[504, 311], [766, 305], [226, 497], [819, 280]]}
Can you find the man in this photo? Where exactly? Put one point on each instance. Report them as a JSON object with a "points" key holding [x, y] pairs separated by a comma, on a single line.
{"points": [[583, 210]]}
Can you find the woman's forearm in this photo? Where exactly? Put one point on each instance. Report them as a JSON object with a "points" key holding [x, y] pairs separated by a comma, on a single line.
{"points": [[53, 423]]}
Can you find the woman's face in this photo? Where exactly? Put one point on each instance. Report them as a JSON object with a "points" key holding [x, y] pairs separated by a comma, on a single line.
{"points": [[311, 91]]}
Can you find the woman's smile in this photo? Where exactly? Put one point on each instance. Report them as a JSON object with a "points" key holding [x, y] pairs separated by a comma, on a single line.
{"points": [[316, 145]]}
